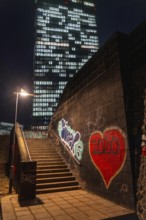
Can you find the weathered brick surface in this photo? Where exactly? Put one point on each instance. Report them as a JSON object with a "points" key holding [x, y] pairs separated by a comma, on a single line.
{"points": [[4, 145], [102, 98], [141, 191]]}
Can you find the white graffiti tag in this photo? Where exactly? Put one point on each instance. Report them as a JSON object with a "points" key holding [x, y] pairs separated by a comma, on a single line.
{"points": [[71, 138]]}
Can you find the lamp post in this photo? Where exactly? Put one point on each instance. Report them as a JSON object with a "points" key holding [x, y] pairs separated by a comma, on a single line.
{"points": [[21, 93]]}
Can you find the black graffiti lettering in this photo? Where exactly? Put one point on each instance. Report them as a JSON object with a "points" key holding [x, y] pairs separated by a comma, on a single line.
{"points": [[124, 188], [104, 146], [115, 146], [98, 147]]}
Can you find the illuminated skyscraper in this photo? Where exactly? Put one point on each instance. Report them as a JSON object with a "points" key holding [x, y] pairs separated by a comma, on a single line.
{"points": [[66, 37]]}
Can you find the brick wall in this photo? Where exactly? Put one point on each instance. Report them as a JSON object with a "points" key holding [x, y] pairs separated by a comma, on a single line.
{"points": [[141, 191], [91, 121], [4, 144]]}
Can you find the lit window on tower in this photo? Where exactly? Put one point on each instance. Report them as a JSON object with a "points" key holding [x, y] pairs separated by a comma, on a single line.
{"points": [[66, 37]]}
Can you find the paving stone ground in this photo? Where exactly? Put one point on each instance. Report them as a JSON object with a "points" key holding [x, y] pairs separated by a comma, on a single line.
{"points": [[78, 204], [4, 189], [4, 185]]}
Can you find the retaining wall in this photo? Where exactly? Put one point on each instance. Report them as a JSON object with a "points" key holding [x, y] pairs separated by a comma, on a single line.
{"points": [[100, 115]]}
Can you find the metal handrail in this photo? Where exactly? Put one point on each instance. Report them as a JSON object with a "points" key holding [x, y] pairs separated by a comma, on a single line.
{"points": [[26, 145], [65, 147], [23, 148]]}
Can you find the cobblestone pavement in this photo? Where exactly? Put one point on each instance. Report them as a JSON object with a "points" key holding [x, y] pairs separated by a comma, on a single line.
{"points": [[69, 205]]}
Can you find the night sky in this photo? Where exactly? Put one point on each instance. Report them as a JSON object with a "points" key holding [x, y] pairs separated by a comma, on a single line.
{"points": [[17, 39]]}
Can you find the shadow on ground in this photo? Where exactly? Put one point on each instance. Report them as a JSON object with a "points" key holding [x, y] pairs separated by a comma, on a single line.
{"points": [[124, 217], [31, 202]]}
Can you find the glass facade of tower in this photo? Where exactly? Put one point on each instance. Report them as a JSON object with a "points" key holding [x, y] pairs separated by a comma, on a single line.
{"points": [[66, 37]]}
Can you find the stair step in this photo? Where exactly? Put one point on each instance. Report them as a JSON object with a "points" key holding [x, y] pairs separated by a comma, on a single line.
{"points": [[59, 160], [46, 163], [54, 179], [52, 170], [50, 166], [42, 147], [56, 189], [49, 161], [56, 184], [51, 147], [49, 175], [47, 153], [43, 154], [45, 157], [43, 151]]}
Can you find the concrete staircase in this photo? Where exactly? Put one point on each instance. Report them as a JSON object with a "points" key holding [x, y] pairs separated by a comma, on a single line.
{"points": [[53, 175]]}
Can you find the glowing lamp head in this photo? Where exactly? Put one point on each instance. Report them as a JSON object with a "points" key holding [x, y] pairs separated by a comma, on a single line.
{"points": [[23, 93]]}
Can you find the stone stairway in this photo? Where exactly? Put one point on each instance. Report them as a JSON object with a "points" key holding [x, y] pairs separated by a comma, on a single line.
{"points": [[53, 175]]}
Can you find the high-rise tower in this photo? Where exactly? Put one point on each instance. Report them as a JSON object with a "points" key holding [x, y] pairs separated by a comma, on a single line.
{"points": [[66, 37]]}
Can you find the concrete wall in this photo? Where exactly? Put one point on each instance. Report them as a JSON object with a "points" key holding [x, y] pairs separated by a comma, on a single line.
{"points": [[91, 121]]}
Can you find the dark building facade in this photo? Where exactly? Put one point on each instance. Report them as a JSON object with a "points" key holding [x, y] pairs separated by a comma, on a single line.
{"points": [[66, 37], [100, 117]]}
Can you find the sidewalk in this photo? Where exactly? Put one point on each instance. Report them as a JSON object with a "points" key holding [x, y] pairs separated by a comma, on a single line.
{"points": [[4, 185], [78, 204], [4, 188]]}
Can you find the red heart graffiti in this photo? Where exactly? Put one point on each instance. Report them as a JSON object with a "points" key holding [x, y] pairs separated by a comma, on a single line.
{"points": [[108, 153]]}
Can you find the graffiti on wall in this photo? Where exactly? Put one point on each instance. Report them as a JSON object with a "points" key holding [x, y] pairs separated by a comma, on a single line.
{"points": [[124, 188], [35, 134], [108, 153], [30, 178], [71, 138]]}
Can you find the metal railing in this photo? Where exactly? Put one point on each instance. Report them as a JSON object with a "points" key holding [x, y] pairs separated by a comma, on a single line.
{"points": [[26, 145], [22, 145]]}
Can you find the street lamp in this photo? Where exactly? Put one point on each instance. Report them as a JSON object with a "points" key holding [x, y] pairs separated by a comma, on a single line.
{"points": [[21, 93]]}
